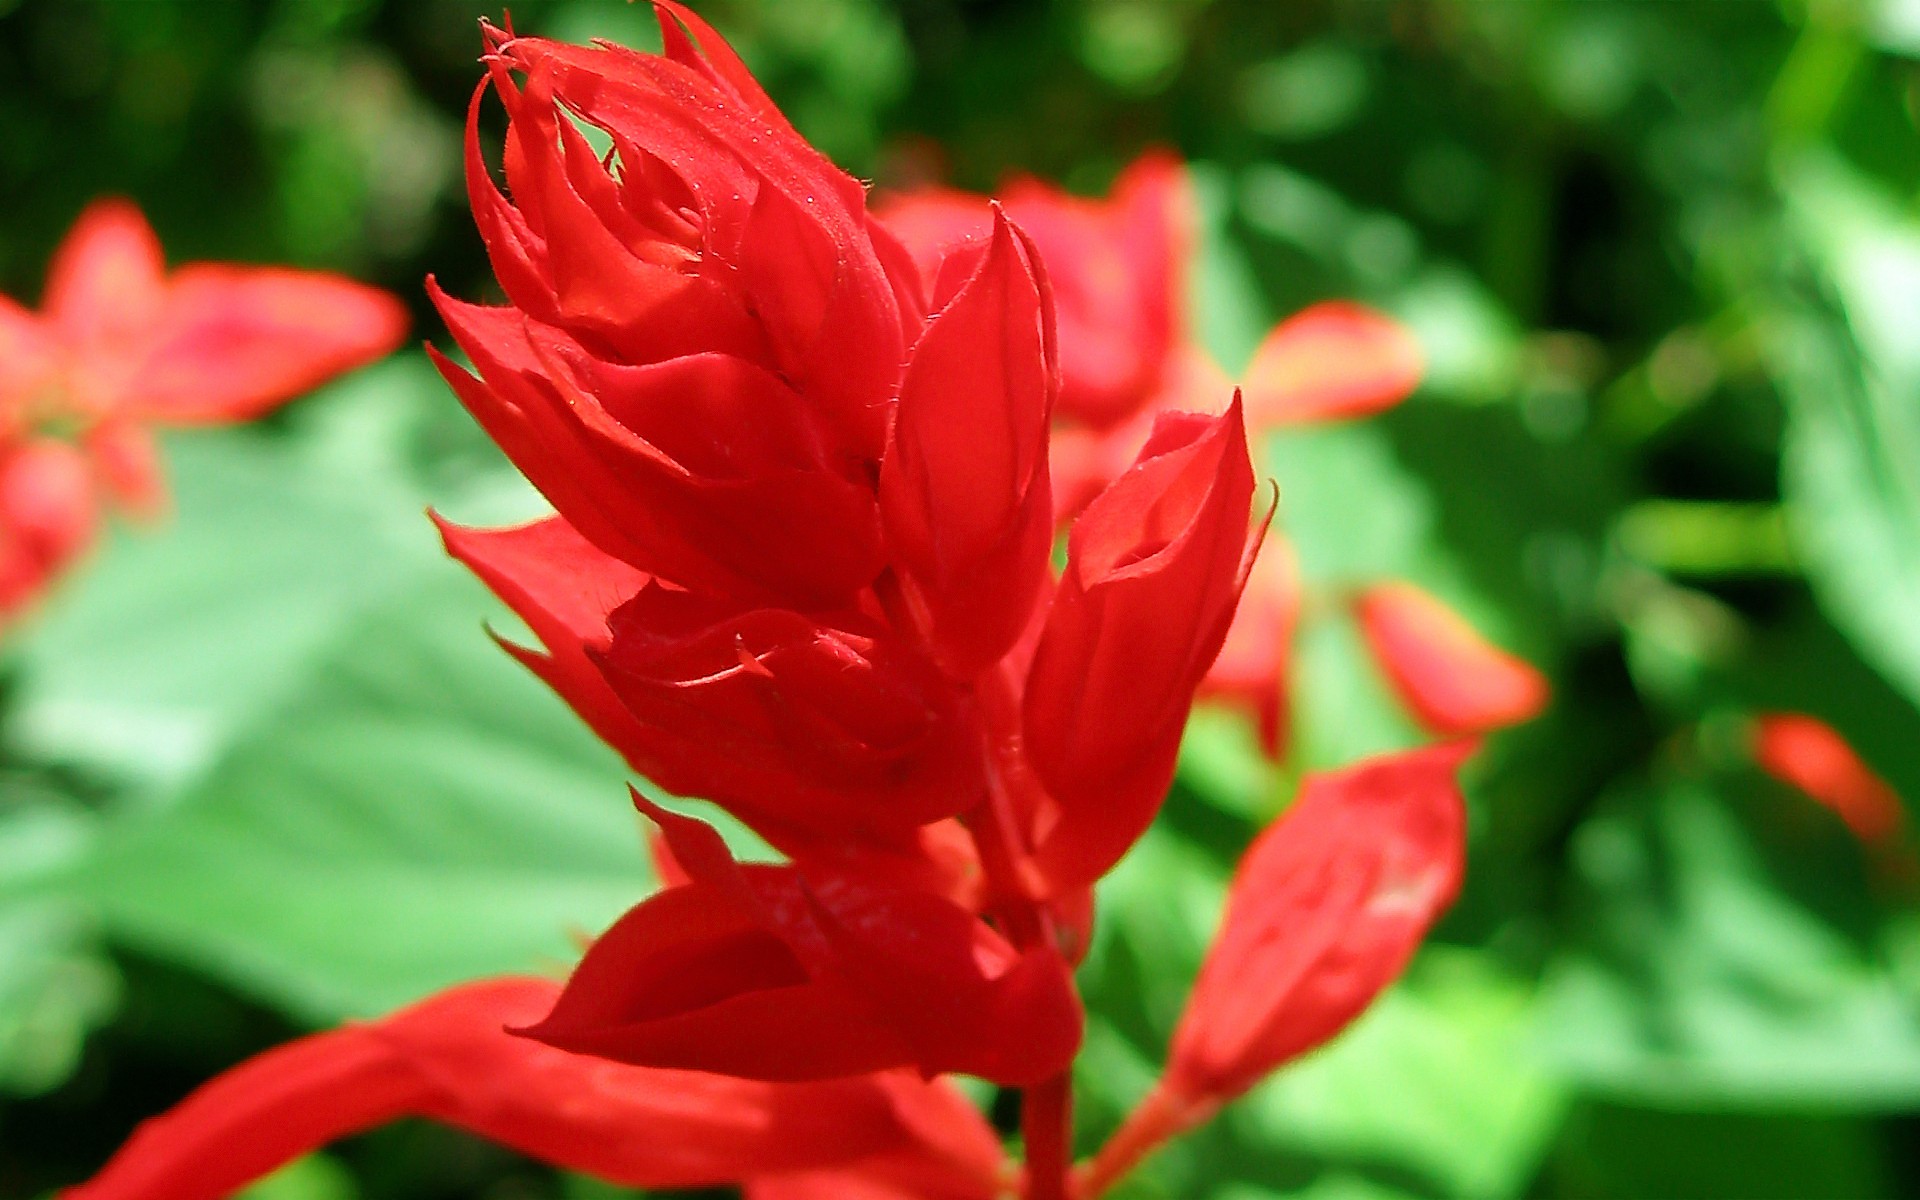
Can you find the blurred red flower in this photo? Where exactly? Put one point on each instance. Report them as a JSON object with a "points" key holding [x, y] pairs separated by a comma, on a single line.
{"points": [[121, 344]]}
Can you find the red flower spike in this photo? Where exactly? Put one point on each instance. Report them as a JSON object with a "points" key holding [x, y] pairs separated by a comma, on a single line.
{"points": [[787, 973], [1331, 361], [1807, 753], [1251, 670], [1325, 911], [963, 488], [1454, 680], [1154, 570], [106, 284], [448, 1059]]}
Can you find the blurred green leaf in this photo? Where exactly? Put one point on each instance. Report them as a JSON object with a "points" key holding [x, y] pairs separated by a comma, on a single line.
{"points": [[1724, 953], [419, 811], [175, 635], [1851, 465], [1472, 1109]]}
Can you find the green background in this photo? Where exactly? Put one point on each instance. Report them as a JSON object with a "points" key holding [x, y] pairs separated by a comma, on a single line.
{"points": [[260, 769]]}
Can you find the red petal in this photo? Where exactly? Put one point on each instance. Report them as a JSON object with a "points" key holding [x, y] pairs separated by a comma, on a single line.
{"points": [[128, 463], [1330, 361], [27, 363], [1154, 569], [1807, 753], [448, 1059], [1454, 680], [1251, 671], [48, 514], [105, 284], [1325, 911], [791, 973], [964, 487], [235, 342]]}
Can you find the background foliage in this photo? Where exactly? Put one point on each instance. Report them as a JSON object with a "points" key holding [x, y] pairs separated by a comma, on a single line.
{"points": [[261, 770]]}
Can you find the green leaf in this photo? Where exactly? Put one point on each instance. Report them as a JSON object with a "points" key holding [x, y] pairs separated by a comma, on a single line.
{"points": [[178, 633], [1473, 1108], [1851, 465], [420, 811], [1724, 952]]}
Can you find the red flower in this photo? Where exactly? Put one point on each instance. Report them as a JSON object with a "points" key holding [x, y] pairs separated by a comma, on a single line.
{"points": [[800, 567], [120, 344], [1454, 680], [1811, 755], [448, 1059]]}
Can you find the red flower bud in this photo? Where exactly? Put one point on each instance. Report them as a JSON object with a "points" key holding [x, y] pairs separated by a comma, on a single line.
{"points": [[964, 485], [1154, 569], [1454, 680], [782, 973], [1331, 361], [448, 1059], [1325, 911], [1811, 755]]}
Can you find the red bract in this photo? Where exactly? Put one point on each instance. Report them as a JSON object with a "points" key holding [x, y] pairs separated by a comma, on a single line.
{"points": [[1811, 755], [791, 973], [1154, 569], [1454, 680], [121, 344], [1325, 911], [965, 491], [449, 1059]]}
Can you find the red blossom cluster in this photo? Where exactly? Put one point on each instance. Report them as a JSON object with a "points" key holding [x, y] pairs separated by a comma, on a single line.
{"points": [[807, 475], [121, 344]]}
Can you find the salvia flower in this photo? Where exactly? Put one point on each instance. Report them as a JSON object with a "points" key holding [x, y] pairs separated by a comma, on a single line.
{"points": [[121, 344], [800, 566], [1453, 680]]}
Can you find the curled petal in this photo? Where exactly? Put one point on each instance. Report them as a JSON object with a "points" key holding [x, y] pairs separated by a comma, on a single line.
{"points": [[1325, 911], [963, 488], [1454, 680], [1331, 361], [790, 973], [1154, 569], [448, 1059], [1811, 755]]}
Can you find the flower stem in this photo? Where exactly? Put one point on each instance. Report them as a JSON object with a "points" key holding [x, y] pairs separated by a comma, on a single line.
{"points": [[1165, 1114], [1046, 1125]]}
